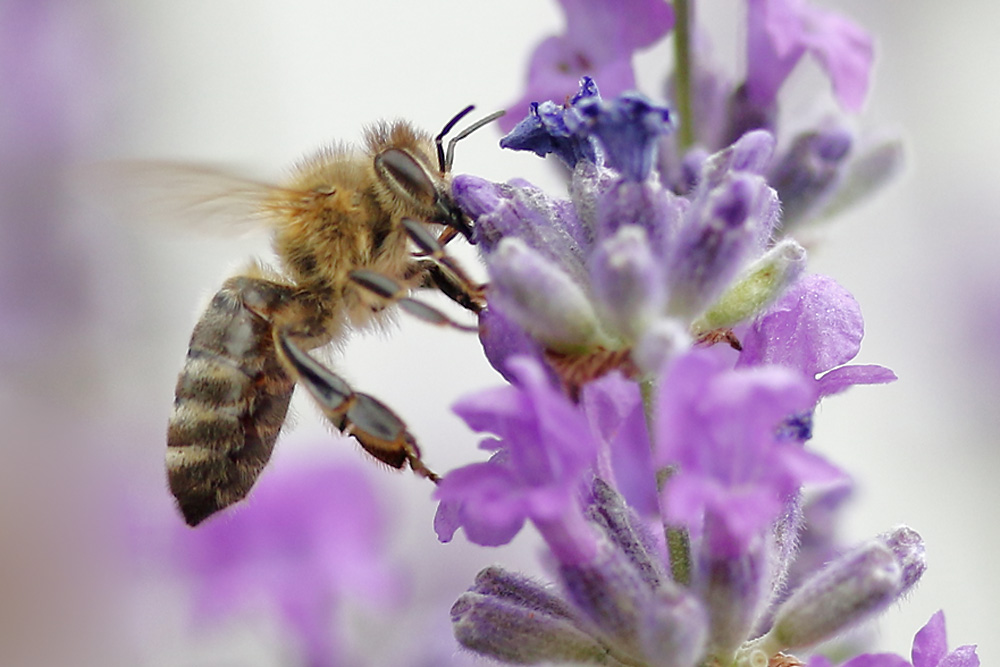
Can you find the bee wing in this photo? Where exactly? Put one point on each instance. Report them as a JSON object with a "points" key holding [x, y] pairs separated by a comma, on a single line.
{"points": [[195, 197]]}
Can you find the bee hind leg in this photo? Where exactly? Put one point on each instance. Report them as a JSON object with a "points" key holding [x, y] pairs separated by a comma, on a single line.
{"points": [[378, 429]]}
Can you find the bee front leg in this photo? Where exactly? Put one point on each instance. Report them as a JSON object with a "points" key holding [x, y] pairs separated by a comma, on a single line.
{"points": [[378, 429], [441, 271]]}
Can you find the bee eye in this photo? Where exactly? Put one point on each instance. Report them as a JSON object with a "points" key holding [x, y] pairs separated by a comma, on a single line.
{"points": [[403, 172]]}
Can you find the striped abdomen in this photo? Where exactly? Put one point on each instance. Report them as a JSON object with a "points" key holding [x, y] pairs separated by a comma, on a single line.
{"points": [[231, 399]]}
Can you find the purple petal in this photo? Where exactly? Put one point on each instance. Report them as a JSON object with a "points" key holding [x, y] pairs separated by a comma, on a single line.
{"points": [[780, 32], [482, 498], [845, 51], [719, 427], [840, 379], [614, 409], [963, 656], [930, 644], [545, 131], [613, 28], [546, 448], [504, 339], [815, 326]]}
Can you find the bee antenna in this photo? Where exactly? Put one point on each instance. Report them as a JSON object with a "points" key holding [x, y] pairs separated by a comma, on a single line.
{"points": [[447, 128], [450, 156]]}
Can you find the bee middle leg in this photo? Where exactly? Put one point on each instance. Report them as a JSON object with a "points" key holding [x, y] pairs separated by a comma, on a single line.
{"points": [[378, 429]]}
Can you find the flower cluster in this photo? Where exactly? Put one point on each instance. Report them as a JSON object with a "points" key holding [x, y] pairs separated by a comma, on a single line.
{"points": [[665, 471]]}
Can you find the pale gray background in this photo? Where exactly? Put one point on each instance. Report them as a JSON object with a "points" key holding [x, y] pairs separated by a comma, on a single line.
{"points": [[256, 84]]}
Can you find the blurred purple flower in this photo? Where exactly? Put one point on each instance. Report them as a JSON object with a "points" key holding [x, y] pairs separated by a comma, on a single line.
{"points": [[930, 649], [780, 32], [718, 428], [600, 38], [50, 93], [815, 327], [312, 536]]}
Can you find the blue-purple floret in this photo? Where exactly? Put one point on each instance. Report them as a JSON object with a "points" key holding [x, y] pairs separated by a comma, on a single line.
{"points": [[545, 132], [626, 130]]}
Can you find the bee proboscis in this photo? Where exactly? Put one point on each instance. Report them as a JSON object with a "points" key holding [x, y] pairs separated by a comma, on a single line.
{"points": [[342, 228]]}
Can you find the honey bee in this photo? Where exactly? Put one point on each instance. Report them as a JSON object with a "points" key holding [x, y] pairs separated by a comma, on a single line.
{"points": [[342, 228]]}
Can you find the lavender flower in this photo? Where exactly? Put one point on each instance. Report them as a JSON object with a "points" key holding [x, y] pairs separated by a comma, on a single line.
{"points": [[51, 94], [781, 32], [542, 452], [717, 427]]}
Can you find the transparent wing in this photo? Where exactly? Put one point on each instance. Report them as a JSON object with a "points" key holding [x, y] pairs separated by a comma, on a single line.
{"points": [[192, 197]]}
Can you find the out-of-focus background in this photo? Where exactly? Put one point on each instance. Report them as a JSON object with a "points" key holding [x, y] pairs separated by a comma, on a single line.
{"points": [[95, 313]]}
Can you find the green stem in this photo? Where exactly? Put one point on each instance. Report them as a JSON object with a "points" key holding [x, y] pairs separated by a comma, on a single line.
{"points": [[678, 541], [647, 388], [682, 75], [679, 549]]}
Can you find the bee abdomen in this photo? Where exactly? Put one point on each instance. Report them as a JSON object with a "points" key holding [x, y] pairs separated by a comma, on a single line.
{"points": [[230, 403]]}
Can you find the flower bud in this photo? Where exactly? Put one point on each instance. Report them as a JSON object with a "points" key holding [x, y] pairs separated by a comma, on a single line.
{"points": [[810, 172], [624, 529], [719, 232], [627, 280], [755, 289], [610, 593], [542, 298], [908, 547], [849, 590], [734, 590], [511, 632], [674, 629]]}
